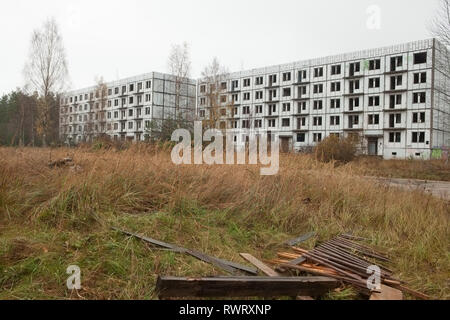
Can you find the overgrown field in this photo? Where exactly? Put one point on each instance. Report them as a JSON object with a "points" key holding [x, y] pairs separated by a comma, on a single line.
{"points": [[53, 218]]}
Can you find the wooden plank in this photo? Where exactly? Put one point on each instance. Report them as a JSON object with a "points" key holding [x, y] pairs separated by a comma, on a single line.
{"points": [[268, 271], [387, 293], [414, 293], [173, 287], [260, 265], [225, 265], [300, 239]]}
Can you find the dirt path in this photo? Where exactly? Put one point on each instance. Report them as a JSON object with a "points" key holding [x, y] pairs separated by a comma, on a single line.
{"points": [[440, 189]]}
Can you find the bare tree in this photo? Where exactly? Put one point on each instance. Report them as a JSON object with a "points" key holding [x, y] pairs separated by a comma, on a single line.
{"points": [[96, 126], [46, 74], [179, 65], [219, 106], [440, 27]]}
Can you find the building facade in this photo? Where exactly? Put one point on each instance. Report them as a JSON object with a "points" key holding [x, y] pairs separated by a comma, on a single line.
{"points": [[125, 109], [396, 99]]}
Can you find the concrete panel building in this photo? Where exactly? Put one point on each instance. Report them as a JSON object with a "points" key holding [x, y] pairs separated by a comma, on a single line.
{"points": [[395, 98], [124, 109]]}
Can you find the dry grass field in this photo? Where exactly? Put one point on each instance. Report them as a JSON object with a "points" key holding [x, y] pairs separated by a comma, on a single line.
{"points": [[51, 218]]}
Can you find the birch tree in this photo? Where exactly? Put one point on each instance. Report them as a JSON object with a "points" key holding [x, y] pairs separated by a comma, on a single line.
{"points": [[46, 74]]}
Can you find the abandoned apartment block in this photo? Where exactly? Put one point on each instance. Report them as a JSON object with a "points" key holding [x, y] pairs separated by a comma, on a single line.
{"points": [[125, 109], [396, 99]]}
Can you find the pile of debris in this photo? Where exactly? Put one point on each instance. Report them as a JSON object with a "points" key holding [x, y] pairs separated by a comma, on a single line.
{"points": [[343, 260], [65, 163]]}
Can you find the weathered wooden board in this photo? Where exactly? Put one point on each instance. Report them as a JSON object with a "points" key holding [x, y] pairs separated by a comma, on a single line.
{"points": [[387, 293], [173, 287], [260, 265]]}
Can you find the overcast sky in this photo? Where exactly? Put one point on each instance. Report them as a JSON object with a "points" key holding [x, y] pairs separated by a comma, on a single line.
{"points": [[117, 38]]}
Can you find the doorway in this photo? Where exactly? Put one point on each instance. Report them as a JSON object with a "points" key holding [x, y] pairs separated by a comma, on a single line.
{"points": [[373, 146], [285, 144]]}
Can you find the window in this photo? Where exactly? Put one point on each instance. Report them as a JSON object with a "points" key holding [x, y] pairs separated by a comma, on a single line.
{"points": [[302, 91], [131, 100], [271, 123], [139, 86], [318, 105], [418, 117], [395, 137], [420, 58], [246, 124], [147, 111], [272, 79], [131, 87], [301, 122], [148, 84], [318, 72], [317, 121], [420, 77], [287, 76], [286, 107], [335, 86], [235, 97], [317, 137], [374, 83], [130, 112], [301, 75], [318, 88], [286, 92], [374, 101], [258, 123], [335, 70], [202, 89], [355, 67], [353, 103], [259, 109], [258, 95], [130, 125], [396, 62], [246, 96], [234, 84], [419, 97], [335, 120], [301, 137], [272, 108], [286, 122], [418, 137], [246, 83], [259, 81], [246, 110], [375, 64], [353, 120], [394, 100], [374, 119], [335, 103]]}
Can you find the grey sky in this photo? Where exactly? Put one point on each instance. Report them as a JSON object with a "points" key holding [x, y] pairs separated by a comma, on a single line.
{"points": [[124, 38]]}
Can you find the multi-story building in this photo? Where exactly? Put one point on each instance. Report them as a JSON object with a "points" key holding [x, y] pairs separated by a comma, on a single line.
{"points": [[124, 109], [397, 99]]}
